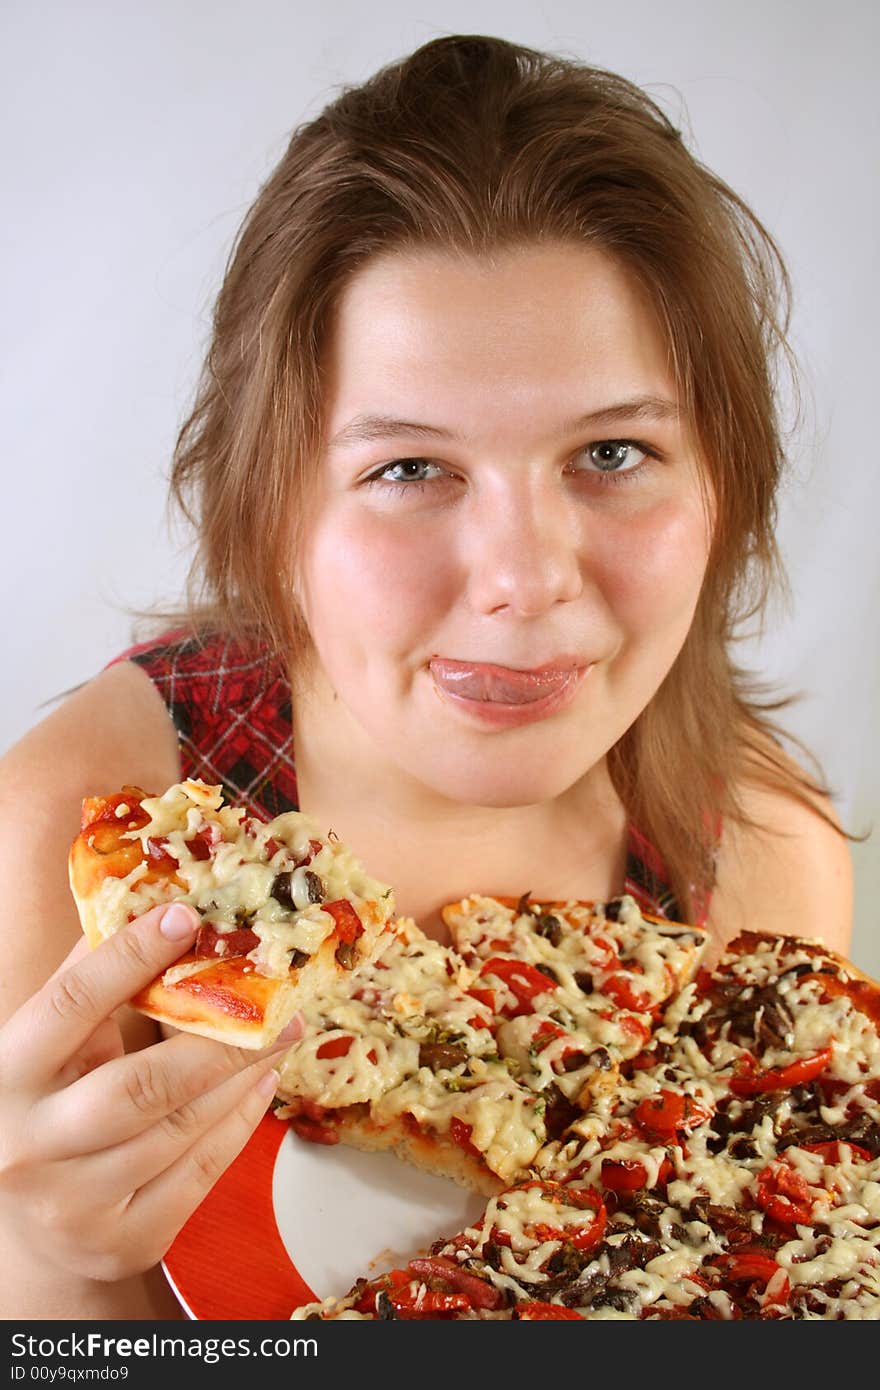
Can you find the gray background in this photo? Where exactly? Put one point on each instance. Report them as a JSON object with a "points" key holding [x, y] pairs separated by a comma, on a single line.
{"points": [[134, 137]]}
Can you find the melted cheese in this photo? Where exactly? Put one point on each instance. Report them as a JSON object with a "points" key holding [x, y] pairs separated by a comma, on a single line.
{"points": [[231, 878]]}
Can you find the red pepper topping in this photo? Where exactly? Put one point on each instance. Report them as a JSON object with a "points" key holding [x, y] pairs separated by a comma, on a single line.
{"points": [[635, 1027], [348, 925], [748, 1081], [231, 943], [204, 840], [159, 856], [752, 1267], [483, 996], [335, 1047], [460, 1134], [394, 1279], [313, 1130], [537, 1310], [609, 958]]}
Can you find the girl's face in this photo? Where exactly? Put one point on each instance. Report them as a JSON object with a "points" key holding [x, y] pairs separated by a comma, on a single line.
{"points": [[509, 534]]}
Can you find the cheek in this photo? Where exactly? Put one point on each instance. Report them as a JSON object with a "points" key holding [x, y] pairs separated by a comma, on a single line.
{"points": [[364, 581], [655, 565]]}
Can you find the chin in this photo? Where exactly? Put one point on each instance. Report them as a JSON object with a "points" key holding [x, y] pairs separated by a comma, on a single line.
{"points": [[506, 785]]}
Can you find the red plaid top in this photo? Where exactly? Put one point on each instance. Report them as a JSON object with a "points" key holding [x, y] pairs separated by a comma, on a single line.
{"points": [[231, 706]]}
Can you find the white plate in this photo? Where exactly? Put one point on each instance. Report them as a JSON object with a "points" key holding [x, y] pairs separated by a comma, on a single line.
{"points": [[291, 1221]]}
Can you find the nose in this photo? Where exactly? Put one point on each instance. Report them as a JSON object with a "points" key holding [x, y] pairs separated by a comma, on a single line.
{"points": [[523, 551]]}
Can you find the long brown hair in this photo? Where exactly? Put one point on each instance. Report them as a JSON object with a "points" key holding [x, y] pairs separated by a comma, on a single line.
{"points": [[473, 144]]}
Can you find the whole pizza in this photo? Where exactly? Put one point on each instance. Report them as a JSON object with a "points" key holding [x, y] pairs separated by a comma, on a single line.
{"points": [[654, 1140], [654, 1147]]}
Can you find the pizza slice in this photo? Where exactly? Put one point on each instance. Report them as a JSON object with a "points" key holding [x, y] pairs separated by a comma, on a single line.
{"points": [[602, 973], [404, 1057], [471, 1068], [286, 910]]}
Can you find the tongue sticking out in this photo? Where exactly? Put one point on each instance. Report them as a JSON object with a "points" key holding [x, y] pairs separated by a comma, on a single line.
{"points": [[498, 684]]}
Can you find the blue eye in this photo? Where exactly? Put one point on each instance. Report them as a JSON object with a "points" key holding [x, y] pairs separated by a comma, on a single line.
{"points": [[612, 455], [412, 470], [613, 460]]}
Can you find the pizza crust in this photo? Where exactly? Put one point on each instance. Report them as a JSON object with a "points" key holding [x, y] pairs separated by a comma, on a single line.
{"points": [[430, 1152]]}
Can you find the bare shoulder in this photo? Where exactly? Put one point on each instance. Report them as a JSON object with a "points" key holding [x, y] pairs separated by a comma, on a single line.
{"points": [[791, 872], [112, 730]]}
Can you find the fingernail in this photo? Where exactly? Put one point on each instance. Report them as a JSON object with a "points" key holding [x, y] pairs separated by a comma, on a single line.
{"points": [[292, 1032], [267, 1084], [178, 922]]}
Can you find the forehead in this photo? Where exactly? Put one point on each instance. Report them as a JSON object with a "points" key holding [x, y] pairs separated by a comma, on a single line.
{"points": [[535, 323]]}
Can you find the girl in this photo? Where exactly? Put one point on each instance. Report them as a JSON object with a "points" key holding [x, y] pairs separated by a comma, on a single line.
{"points": [[483, 469]]}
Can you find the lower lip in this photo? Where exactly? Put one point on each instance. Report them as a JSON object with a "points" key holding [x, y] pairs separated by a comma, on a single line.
{"points": [[498, 715]]}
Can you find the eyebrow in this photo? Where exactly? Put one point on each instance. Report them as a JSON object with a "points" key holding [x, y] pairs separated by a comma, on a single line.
{"points": [[365, 429]]}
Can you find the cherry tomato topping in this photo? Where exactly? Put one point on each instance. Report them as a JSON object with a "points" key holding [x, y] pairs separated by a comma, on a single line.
{"points": [[784, 1194], [834, 1151], [421, 1302], [583, 1237], [523, 980], [631, 1175], [669, 1113], [622, 990]]}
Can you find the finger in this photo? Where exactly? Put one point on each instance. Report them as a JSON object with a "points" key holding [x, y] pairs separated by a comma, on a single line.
{"points": [[128, 1096], [76, 952], [170, 1199], [61, 1016], [104, 1046], [124, 1169]]}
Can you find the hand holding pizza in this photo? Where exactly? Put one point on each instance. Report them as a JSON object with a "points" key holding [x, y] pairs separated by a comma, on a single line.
{"points": [[103, 1155]]}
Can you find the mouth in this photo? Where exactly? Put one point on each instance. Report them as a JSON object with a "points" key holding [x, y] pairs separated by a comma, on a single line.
{"points": [[500, 685], [505, 694]]}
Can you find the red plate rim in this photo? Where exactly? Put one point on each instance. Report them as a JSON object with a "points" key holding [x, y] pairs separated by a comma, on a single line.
{"points": [[229, 1262]]}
